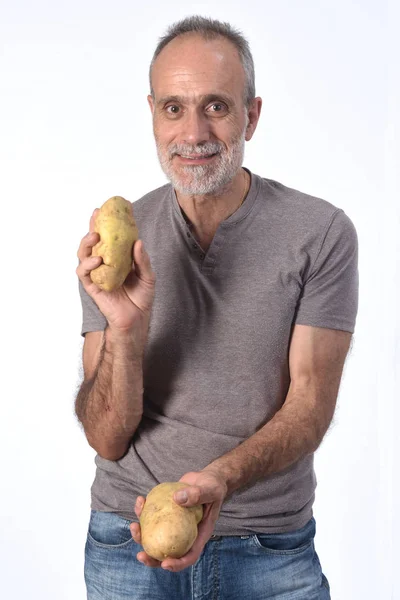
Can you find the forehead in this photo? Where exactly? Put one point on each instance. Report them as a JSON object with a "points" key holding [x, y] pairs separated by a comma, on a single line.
{"points": [[192, 66]]}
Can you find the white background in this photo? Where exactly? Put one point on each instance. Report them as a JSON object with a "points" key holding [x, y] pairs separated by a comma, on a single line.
{"points": [[75, 129]]}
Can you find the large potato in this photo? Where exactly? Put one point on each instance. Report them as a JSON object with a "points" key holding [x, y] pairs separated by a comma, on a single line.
{"points": [[168, 529], [118, 232]]}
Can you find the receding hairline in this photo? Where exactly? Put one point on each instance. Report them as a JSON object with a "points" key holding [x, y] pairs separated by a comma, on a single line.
{"points": [[198, 34], [209, 30], [203, 36]]}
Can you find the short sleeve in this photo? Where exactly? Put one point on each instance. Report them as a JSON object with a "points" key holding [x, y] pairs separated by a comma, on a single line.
{"points": [[329, 297], [92, 318]]}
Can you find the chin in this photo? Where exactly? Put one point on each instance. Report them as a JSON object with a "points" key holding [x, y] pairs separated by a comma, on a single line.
{"points": [[188, 190], [200, 189]]}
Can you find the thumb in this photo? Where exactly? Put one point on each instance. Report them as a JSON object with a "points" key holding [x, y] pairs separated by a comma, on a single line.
{"points": [[142, 262], [193, 495]]}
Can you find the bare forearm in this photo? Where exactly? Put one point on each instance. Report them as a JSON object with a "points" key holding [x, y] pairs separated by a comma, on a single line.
{"points": [[290, 435], [110, 405]]}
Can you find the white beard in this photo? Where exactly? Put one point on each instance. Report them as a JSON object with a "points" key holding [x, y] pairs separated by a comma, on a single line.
{"points": [[201, 180]]}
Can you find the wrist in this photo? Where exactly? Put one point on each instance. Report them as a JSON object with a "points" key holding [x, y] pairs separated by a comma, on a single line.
{"points": [[220, 473], [228, 471], [129, 340]]}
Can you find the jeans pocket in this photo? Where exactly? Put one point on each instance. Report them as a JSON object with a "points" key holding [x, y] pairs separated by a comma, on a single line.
{"points": [[108, 530], [292, 542]]}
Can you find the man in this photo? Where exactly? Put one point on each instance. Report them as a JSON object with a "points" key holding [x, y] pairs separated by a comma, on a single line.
{"points": [[219, 361]]}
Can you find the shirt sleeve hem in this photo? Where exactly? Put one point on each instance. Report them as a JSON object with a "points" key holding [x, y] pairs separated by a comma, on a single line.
{"points": [[86, 327], [327, 324]]}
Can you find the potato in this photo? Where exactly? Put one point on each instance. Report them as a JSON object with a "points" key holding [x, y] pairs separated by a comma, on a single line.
{"points": [[118, 232], [168, 529]]}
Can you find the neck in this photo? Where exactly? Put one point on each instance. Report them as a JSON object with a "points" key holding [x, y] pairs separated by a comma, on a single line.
{"points": [[205, 213]]}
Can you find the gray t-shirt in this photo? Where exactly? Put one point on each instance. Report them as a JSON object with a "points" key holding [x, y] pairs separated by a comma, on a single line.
{"points": [[216, 362]]}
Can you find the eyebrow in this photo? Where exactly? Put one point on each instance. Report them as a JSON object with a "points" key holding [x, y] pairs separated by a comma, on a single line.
{"points": [[204, 99]]}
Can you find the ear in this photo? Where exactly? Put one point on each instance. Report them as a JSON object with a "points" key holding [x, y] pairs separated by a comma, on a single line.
{"points": [[151, 102], [253, 114]]}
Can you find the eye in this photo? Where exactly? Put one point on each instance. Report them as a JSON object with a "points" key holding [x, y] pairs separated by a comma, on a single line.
{"points": [[174, 109], [218, 107]]}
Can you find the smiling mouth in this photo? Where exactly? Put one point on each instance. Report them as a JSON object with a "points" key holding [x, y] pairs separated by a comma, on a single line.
{"points": [[197, 156]]}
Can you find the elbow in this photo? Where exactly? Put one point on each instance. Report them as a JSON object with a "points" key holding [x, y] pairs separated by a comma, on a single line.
{"points": [[320, 431], [109, 451], [110, 454]]}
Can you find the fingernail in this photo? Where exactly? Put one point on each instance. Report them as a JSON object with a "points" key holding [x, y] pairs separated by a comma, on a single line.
{"points": [[182, 496]]}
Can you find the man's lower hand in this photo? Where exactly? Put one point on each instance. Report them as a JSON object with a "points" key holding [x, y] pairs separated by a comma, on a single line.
{"points": [[206, 488]]}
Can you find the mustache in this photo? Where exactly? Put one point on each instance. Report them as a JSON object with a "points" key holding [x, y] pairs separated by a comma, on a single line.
{"points": [[205, 149]]}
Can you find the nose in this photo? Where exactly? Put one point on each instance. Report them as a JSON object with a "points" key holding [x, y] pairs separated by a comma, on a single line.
{"points": [[196, 128]]}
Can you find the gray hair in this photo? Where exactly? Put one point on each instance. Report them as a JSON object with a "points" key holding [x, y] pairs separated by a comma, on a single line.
{"points": [[211, 29]]}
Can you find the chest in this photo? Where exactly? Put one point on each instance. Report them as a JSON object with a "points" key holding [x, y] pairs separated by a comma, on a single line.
{"points": [[220, 328], [232, 295]]}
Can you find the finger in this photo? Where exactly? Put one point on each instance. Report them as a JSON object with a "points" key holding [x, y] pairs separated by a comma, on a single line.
{"points": [[147, 560], [193, 495], [139, 505], [205, 530], [83, 271], [93, 219], [86, 245], [178, 564], [142, 262], [142, 556], [191, 557], [136, 532], [87, 265]]}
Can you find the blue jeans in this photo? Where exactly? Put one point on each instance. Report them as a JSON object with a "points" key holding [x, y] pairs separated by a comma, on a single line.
{"points": [[282, 566]]}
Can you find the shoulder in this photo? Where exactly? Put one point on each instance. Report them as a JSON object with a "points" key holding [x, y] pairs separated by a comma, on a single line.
{"points": [[296, 201], [151, 213], [302, 212], [151, 200], [151, 208]]}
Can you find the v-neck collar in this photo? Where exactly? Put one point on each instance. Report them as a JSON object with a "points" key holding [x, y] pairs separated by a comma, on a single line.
{"points": [[238, 215], [207, 260]]}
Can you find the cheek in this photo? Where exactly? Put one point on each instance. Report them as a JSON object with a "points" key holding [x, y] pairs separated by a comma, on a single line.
{"points": [[239, 127], [165, 134], [226, 131], [229, 130]]}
